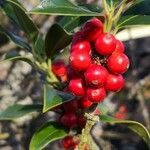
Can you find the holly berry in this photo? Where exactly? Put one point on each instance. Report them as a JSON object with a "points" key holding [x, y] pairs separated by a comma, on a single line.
{"points": [[81, 45], [120, 115], [69, 120], [105, 44], [123, 108], [118, 63], [96, 75], [80, 61], [59, 68], [68, 142], [85, 103], [96, 95], [71, 106], [77, 36], [92, 29], [114, 82], [77, 87], [119, 47]]}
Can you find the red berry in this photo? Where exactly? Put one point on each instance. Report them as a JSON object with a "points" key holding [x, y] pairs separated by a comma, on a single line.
{"points": [[118, 63], [59, 68], [81, 45], [85, 103], [76, 86], [96, 75], [77, 36], [69, 120], [96, 95], [71, 106], [105, 44], [68, 142], [80, 61], [123, 109], [114, 83], [92, 29], [119, 47], [120, 116], [82, 121]]}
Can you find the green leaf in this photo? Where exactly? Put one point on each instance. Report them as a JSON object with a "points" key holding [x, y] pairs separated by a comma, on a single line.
{"points": [[39, 46], [63, 8], [56, 39], [103, 108], [17, 111], [128, 21], [69, 23], [133, 125], [14, 56], [16, 39], [48, 133], [16, 12], [53, 98], [141, 7]]}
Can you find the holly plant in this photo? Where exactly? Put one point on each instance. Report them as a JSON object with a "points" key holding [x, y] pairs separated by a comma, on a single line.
{"points": [[75, 87]]}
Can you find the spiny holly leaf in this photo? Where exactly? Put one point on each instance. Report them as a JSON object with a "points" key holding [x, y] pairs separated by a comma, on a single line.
{"points": [[48, 133], [16, 39], [53, 98], [16, 12], [133, 125], [17, 111], [56, 39], [14, 56], [128, 21], [63, 8]]}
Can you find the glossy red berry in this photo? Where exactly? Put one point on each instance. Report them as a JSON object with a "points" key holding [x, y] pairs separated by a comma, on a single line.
{"points": [[68, 142], [77, 36], [118, 63], [92, 29], [114, 83], [96, 95], [96, 75], [71, 106], [77, 87], [119, 47], [105, 44], [69, 120], [59, 68], [82, 121], [84, 103], [80, 61], [81, 45]]}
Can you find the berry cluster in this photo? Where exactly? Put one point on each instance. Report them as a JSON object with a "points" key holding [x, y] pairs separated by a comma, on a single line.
{"points": [[96, 64], [97, 61]]}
